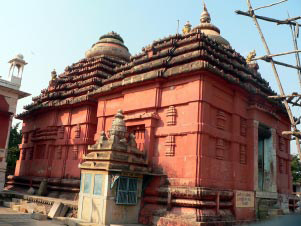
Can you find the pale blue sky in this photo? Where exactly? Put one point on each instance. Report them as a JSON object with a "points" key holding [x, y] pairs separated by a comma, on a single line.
{"points": [[54, 34]]}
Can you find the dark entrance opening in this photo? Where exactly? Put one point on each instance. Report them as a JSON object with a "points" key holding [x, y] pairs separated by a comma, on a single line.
{"points": [[264, 135]]}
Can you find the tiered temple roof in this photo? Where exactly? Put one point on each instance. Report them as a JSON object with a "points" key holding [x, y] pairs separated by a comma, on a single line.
{"points": [[202, 49], [179, 54]]}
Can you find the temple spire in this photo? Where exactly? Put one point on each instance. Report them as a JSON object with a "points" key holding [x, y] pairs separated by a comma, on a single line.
{"points": [[209, 29], [205, 16]]}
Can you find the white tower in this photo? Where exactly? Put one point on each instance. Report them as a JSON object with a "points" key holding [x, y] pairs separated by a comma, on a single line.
{"points": [[16, 69]]}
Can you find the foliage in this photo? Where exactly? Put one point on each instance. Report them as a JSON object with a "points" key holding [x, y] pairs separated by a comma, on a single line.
{"points": [[13, 148], [296, 169]]}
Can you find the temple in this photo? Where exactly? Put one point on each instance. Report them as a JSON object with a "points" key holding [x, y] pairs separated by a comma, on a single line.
{"points": [[180, 134]]}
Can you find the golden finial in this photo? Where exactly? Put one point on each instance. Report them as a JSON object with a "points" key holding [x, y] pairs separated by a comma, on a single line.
{"points": [[187, 28], [251, 56]]}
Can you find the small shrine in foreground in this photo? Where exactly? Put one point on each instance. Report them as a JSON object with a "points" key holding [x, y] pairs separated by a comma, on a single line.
{"points": [[181, 134]]}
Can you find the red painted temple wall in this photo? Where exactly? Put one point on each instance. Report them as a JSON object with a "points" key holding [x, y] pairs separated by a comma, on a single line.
{"points": [[184, 96], [56, 157], [4, 121], [224, 107], [222, 163], [197, 132], [213, 133]]}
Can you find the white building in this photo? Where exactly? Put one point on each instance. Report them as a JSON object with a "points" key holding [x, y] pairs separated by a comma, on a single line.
{"points": [[9, 95]]}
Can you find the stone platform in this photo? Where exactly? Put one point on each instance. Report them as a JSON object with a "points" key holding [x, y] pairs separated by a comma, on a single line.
{"points": [[37, 199], [9, 217]]}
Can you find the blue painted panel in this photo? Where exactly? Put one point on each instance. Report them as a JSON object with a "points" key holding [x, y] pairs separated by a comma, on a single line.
{"points": [[87, 183], [97, 184]]}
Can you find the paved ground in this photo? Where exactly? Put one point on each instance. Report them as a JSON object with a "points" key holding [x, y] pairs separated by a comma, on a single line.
{"points": [[8, 217], [287, 220]]}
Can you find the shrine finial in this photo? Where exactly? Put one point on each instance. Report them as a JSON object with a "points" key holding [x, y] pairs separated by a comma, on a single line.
{"points": [[205, 16], [187, 28], [53, 74], [118, 125]]}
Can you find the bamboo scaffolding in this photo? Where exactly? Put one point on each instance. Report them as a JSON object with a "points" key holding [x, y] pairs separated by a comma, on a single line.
{"points": [[285, 96], [277, 54], [286, 65], [293, 99], [288, 20], [267, 58], [295, 131], [249, 14], [297, 134], [294, 39], [283, 64], [266, 6]]}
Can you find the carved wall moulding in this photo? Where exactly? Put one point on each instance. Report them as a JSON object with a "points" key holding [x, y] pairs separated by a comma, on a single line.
{"points": [[25, 135], [30, 154], [281, 165], [282, 143], [40, 151], [74, 152], [221, 119], [264, 109], [170, 144], [243, 127], [61, 132], [286, 166], [59, 152], [23, 154], [171, 116], [243, 154], [77, 131], [220, 148], [152, 115]]}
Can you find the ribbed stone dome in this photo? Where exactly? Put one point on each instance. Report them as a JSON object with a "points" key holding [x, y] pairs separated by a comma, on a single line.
{"points": [[110, 44]]}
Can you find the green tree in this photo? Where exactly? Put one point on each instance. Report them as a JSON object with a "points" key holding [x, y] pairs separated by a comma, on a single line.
{"points": [[296, 169], [13, 152]]}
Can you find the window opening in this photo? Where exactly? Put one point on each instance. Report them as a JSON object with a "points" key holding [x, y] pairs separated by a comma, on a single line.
{"points": [[127, 191]]}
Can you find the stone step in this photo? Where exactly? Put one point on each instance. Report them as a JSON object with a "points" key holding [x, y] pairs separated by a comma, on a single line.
{"points": [[39, 217], [8, 204], [73, 222], [127, 225], [18, 201], [16, 207], [15, 216], [275, 212]]}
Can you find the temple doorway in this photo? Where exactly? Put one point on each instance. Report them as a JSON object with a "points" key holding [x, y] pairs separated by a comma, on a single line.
{"points": [[265, 160]]}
